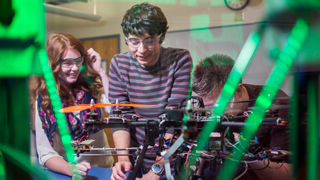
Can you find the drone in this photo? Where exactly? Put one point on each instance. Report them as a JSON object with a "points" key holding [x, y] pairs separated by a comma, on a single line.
{"points": [[93, 117], [217, 148]]}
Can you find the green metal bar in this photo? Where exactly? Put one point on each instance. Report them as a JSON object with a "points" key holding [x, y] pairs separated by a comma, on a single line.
{"points": [[233, 80], [313, 131], [228, 90], [294, 128], [266, 96], [186, 116], [2, 168], [56, 106], [14, 122], [21, 160], [4, 116]]}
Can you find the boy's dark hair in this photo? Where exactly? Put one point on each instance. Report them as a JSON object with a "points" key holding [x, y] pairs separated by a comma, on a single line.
{"points": [[142, 18], [211, 74]]}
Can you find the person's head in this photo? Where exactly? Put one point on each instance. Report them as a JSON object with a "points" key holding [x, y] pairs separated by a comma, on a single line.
{"points": [[209, 77], [66, 56], [145, 26]]}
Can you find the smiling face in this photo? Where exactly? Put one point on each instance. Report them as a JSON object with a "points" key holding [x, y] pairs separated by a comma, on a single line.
{"points": [[69, 76], [147, 54]]}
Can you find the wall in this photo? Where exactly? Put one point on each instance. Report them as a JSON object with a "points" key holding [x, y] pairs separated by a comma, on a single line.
{"points": [[229, 40], [181, 15]]}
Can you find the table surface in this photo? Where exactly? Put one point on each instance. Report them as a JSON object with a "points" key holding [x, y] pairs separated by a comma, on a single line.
{"points": [[95, 173]]}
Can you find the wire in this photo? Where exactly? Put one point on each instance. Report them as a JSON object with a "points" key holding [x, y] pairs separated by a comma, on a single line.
{"points": [[158, 145], [278, 166], [225, 132], [251, 161], [245, 170], [205, 154], [233, 145], [188, 159], [152, 150], [243, 147], [242, 161], [264, 154], [267, 165], [79, 140], [189, 152], [177, 169]]}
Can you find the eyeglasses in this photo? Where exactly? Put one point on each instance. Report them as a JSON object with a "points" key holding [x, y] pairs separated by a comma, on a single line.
{"points": [[69, 62], [135, 43]]}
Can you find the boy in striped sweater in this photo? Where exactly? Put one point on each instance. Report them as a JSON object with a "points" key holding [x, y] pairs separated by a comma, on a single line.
{"points": [[147, 74]]}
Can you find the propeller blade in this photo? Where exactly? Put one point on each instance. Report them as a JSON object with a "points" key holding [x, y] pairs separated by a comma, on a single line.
{"points": [[82, 107], [134, 105], [102, 105], [75, 108], [131, 105]]}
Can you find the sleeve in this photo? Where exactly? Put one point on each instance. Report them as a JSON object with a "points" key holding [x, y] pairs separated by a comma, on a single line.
{"points": [[117, 88], [44, 149], [181, 84]]}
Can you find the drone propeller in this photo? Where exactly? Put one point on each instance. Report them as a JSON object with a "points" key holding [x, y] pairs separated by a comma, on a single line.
{"points": [[129, 105], [75, 108], [82, 107]]}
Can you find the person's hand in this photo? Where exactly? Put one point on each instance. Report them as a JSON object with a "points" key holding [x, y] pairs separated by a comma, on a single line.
{"points": [[236, 136], [150, 176], [119, 170], [96, 60], [82, 168], [215, 134]]}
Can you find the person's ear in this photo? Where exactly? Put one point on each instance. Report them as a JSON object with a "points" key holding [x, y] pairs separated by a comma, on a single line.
{"points": [[239, 90], [125, 40]]}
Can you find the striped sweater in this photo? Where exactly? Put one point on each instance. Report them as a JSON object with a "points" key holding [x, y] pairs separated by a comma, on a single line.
{"points": [[166, 81]]}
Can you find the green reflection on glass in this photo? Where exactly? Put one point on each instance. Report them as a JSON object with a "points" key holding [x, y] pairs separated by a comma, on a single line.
{"points": [[267, 95], [313, 131], [56, 106], [202, 21], [228, 90], [216, 3], [2, 169], [233, 80], [21, 39], [294, 127], [188, 2], [141, 1]]}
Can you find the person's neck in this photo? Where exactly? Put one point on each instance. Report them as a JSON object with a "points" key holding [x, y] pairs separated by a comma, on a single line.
{"points": [[65, 85], [70, 89]]}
